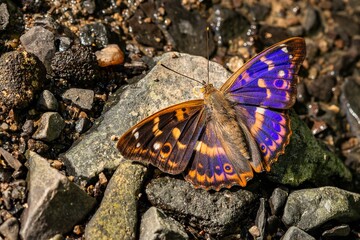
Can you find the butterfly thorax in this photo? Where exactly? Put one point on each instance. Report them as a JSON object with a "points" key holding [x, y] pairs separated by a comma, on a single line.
{"points": [[220, 111]]}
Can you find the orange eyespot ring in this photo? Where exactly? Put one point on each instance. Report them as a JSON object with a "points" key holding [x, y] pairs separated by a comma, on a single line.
{"points": [[165, 150], [227, 168]]}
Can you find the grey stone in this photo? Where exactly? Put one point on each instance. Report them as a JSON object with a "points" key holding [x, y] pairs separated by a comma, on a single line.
{"points": [[97, 151], [155, 225], [49, 127], [310, 208], [117, 217], [4, 16], [260, 220], [10, 229], [338, 231], [350, 98], [218, 213], [47, 101], [277, 200], [40, 42], [83, 98], [55, 204], [294, 233]]}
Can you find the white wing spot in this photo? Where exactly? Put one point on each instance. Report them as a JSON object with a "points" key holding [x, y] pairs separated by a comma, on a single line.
{"points": [[285, 50], [136, 135], [138, 145], [290, 56], [157, 146], [281, 73]]}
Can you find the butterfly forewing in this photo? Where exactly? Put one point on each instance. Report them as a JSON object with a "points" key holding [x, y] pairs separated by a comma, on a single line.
{"points": [[167, 138], [269, 79]]}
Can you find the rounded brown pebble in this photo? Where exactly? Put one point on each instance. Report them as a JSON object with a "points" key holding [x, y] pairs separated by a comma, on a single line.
{"points": [[110, 55]]}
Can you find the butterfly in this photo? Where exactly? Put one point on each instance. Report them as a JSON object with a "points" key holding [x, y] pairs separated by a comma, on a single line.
{"points": [[233, 132]]}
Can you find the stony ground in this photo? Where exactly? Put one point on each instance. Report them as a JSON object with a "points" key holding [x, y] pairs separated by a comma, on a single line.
{"points": [[75, 74]]}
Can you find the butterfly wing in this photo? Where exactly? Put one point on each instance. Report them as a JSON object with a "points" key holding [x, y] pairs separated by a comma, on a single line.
{"points": [[269, 79], [167, 138], [218, 164]]}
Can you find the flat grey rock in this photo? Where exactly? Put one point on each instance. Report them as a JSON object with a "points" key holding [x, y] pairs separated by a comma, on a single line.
{"points": [[55, 205], [310, 208], [277, 200], [218, 213], [83, 98], [294, 233], [49, 127], [155, 225], [10, 229]]}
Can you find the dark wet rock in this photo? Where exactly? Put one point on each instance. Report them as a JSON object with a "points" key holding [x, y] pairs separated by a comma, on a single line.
{"points": [[10, 229], [260, 220], [117, 217], [97, 151], [83, 98], [146, 33], [64, 43], [40, 42], [294, 233], [156, 225], [21, 76], [311, 208], [277, 34], [5, 175], [95, 34], [4, 16], [77, 64], [277, 200], [350, 98], [82, 125], [50, 126], [51, 197], [308, 161], [338, 231], [10, 159], [187, 29], [47, 101], [223, 21], [218, 213], [311, 20]]}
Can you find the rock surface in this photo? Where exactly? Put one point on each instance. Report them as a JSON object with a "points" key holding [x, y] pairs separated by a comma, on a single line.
{"points": [[50, 126], [156, 225], [51, 197], [218, 213], [294, 233], [83, 98], [310, 208], [117, 217]]}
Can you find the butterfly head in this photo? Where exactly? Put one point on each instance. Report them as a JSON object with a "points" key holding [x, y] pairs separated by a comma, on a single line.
{"points": [[207, 89]]}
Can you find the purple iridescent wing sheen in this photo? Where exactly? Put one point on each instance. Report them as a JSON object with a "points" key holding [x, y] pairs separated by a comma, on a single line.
{"points": [[270, 129], [269, 79]]}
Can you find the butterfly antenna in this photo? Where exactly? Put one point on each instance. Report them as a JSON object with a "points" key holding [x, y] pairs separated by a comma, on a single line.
{"points": [[193, 79], [207, 53]]}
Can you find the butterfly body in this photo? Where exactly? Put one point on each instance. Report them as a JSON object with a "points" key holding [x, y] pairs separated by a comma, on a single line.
{"points": [[221, 140]]}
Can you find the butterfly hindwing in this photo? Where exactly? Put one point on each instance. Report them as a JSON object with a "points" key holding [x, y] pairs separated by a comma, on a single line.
{"points": [[270, 129], [269, 79], [216, 164], [167, 138]]}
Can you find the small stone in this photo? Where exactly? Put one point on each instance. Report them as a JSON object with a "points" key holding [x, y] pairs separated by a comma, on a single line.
{"points": [[10, 229], [110, 55], [102, 179], [277, 200], [4, 16], [311, 20], [83, 98], [94, 34], [4, 126], [273, 224], [50, 126], [321, 87], [156, 225], [51, 197], [311, 208], [82, 125], [294, 233], [338, 231], [40, 42], [47, 101], [254, 231], [260, 220], [13, 162], [350, 98]]}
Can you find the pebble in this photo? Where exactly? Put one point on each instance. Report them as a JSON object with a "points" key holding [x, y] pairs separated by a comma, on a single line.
{"points": [[10, 159], [49, 190], [10, 229], [82, 124], [83, 98], [47, 101], [309, 209], [4, 16], [156, 225], [50, 126], [94, 34], [277, 200], [110, 55], [294, 233], [40, 41], [338, 231], [260, 220], [21, 77]]}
